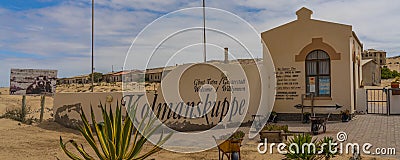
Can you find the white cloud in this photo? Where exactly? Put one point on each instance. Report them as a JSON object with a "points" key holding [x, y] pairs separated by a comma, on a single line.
{"points": [[60, 36], [375, 22]]}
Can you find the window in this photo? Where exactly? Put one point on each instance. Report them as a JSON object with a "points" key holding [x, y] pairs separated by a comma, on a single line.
{"points": [[318, 73]]}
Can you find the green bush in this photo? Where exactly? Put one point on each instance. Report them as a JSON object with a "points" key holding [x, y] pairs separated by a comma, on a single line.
{"points": [[326, 151], [235, 136], [386, 73], [18, 115], [273, 127], [96, 76], [320, 150]]}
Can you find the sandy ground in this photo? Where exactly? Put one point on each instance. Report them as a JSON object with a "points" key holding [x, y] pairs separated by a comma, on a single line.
{"points": [[386, 82], [10, 102], [41, 140]]}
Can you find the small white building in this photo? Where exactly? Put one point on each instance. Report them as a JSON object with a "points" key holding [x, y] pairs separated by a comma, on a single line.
{"points": [[371, 73]]}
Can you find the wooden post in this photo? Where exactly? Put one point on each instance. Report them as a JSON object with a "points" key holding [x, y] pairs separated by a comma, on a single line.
{"points": [[302, 107], [23, 108], [312, 104], [42, 102]]}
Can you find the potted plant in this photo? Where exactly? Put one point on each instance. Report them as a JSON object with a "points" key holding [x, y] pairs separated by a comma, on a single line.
{"points": [[238, 135], [306, 117], [345, 115], [274, 133], [273, 117], [395, 83]]}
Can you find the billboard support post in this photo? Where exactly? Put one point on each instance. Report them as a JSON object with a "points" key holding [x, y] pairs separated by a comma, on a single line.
{"points": [[23, 108], [42, 102]]}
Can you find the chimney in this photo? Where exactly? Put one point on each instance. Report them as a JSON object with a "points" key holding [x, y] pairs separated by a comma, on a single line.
{"points": [[304, 14], [226, 60]]}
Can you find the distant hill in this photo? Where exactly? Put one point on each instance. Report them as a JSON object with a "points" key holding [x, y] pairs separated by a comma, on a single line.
{"points": [[393, 63], [394, 57]]}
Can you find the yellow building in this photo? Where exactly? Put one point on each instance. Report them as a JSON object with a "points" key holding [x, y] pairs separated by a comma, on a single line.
{"points": [[157, 74], [318, 57], [82, 79], [378, 56]]}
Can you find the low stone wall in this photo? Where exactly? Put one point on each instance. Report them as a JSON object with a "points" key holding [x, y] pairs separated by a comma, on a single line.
{"points": [[297, 117], [68, 106]]}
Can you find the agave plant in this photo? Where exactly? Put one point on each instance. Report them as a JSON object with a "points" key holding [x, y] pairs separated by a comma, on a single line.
{"points": [[303, 152], [117, 139], [326, 151]]}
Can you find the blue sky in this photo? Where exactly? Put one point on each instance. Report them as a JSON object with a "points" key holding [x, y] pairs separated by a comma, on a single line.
{"points": [[56, 34], [20, 5]]}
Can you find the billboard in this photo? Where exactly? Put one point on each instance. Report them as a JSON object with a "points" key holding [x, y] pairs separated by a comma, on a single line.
{"points": [[32, 81]]}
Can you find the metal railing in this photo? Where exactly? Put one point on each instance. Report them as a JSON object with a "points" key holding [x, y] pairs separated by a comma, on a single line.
{"points": [[378, 101]]}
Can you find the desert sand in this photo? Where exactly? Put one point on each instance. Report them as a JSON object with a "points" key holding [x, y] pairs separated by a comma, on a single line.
{"points": [[41, 140]]}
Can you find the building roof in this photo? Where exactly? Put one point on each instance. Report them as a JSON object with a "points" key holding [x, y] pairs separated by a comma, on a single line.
{"points": [[80, 76], [395, 57], [304, 14], [374, 50], [75, 77], [124, 72], [363, 62], [120, 73], [160, 69]]}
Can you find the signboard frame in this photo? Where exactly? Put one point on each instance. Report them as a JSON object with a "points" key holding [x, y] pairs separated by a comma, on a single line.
{"points": [[33, 81]]}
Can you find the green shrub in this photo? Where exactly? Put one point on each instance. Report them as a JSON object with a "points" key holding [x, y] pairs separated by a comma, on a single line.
{"points": [[17, 115], [235, 136], [273, 127], [327, 152], [320, 150], [386, 73]]}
